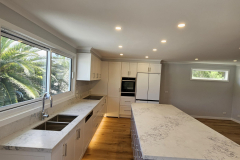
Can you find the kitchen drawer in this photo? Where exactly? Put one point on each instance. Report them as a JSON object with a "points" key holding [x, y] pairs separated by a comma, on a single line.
{"points": [[127, 101], [125, 110]]}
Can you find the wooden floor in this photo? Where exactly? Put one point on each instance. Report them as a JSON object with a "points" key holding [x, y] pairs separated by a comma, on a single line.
{"points": [[112, 141], [228, 128]]}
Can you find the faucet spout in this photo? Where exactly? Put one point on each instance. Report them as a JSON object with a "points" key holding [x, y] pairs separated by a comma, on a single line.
{"points": [[45, 96]]}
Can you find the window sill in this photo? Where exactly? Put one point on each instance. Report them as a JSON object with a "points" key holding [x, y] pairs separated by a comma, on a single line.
{"points": [[15, 114], [209, 80]]}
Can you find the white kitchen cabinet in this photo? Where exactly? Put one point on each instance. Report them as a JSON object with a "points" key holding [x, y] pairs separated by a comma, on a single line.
{"points": [[88, 67], [149, 67], [125, 106], [154, 86], [142, 86], [88, 132], [114, 89], [68, 147], [129, 69], [79, 141]]}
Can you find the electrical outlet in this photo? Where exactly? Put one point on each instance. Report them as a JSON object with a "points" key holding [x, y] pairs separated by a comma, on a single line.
{"points": [[224, 112]]}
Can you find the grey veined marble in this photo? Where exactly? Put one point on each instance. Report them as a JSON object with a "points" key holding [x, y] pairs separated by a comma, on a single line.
{"points": [[167, 133], [44, 141]]}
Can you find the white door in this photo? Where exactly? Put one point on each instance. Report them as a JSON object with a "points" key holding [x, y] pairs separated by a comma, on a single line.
{"points": [[113, 107], [114, 88], [154, 87], [143, 67], [79, 141], [154, 68], [125, 69], [142, 86], [69, 148], [133, 70]]}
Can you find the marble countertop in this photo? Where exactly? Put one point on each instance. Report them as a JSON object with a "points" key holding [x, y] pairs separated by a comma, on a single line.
{"points": [[167, 133], [44, 141]]}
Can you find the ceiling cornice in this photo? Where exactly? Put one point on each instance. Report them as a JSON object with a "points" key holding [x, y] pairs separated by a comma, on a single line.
{"points": [[37, 21], [211, 63]]}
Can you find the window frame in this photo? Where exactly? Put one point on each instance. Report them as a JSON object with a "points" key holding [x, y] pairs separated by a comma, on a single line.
{"points": [[209, 79], [13, 112]]}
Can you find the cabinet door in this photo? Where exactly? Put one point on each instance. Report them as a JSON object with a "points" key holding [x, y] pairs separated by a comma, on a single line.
{"points": [[93, 74], [87, 133], [142, 86], [155, 68], [79, 142], [143, 67], [133, 69], [99, 68], [154, 87], [68, 148], [125, 69], [113, 107]]}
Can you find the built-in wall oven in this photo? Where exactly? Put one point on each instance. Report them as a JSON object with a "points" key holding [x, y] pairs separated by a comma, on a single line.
{"points": [[128, 87]]}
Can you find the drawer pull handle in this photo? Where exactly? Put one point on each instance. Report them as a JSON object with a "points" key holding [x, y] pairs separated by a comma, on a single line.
{"points": [[127, 101], [127, 110]]}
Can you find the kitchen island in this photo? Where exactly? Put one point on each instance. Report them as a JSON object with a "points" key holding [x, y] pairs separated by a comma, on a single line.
{"points": [[163, 132]]}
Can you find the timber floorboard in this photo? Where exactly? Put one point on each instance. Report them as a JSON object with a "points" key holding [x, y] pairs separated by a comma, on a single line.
{"points": [[228, 128], [112, 141]]}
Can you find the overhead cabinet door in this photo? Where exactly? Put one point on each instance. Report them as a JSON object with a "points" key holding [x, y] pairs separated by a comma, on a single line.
{"points": [[142, 86], [143, 67], [154, 86], [125, 69], [154, 68], [133, 70]]}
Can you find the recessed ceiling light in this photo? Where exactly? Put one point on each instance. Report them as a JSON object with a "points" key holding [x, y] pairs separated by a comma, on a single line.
{"points": [[121, 54], [118, 28], [181, 25], [154, 49], [196, 59], [146, 57], [119, 46], [234, 60], [164, 41]]}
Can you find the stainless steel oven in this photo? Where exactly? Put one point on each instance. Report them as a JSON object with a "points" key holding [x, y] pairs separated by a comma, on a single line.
{"points": [[128, 86]]}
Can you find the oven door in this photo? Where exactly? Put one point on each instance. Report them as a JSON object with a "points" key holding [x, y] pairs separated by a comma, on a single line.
{"points": [[128, 86]]}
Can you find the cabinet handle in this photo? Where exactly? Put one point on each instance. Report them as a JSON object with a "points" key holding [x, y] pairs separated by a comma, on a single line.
{"points": [[78, 134], [96, 125], [65, 149], [127, 101], [127, 110], [129, 72]]}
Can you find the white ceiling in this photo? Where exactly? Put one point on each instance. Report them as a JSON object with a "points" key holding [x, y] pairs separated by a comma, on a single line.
{"points": [[212, 32]]}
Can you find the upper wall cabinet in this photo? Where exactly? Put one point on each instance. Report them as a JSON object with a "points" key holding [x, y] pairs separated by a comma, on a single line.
{"points": [[88, 67], [129, 69], [149, 67]]}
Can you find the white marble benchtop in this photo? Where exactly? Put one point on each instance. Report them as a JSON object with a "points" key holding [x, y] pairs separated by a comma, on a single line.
{"points": [[167, 133], [44, 141]]}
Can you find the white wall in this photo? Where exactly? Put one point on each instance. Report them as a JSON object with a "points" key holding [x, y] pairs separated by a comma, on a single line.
{"points": [[200, 98], [236, 96]]}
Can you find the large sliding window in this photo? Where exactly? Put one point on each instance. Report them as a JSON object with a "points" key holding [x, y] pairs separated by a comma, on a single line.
{"points": [[28, 70]]}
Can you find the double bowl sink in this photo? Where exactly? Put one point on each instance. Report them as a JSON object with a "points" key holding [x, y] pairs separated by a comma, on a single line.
{"points": [[56, 123]]}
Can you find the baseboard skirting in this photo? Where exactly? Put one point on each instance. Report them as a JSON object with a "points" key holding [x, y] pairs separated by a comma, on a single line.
{"points": [[235, 120], [220, 118], [210, 117]]}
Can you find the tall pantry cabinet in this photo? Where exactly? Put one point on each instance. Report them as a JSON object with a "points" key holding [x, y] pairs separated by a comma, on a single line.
{"points": [[114, 88]]}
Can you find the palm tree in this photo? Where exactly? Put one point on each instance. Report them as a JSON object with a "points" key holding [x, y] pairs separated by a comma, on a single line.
{"points": [[22, 72]]}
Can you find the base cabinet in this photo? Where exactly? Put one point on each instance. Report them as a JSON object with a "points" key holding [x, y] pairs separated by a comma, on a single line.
{"points": [[71, 147]]}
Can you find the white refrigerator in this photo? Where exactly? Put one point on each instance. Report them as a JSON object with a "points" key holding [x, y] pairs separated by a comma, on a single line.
{"points": [[148, 88]]}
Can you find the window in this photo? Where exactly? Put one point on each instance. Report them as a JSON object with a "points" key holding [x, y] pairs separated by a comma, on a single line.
{"points": [[210, 75], [60, 74], [22, 72], [28, 69]]}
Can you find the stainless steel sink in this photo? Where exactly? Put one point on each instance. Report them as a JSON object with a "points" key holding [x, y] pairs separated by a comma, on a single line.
{"points": [[56, 123], [52, 126], [62, 118]]}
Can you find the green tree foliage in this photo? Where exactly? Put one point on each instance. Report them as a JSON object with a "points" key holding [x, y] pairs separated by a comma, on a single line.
{"points": [[208, 74], [23, 72]]}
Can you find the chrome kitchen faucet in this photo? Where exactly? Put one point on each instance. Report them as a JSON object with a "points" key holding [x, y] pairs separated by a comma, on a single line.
{"points": [[44, 115]]}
